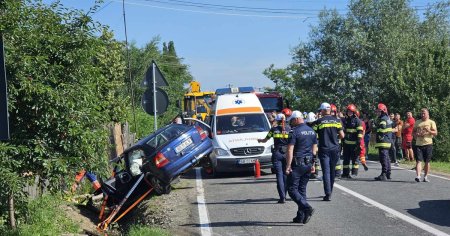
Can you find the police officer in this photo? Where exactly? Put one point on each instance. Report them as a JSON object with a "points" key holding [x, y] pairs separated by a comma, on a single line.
{"points": [[280, 133], [328, 128], [301, 149], [352, 142], [383, 142]]}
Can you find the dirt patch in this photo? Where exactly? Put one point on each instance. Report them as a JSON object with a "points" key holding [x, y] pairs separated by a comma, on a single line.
{"points": [[173, 212]]}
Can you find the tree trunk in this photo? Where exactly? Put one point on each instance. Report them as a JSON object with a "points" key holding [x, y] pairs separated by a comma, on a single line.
{"points": [[12, 218]]}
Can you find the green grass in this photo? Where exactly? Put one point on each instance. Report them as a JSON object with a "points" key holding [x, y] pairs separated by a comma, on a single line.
{"points": [[141, 230], [45, 217], [436, 166]]}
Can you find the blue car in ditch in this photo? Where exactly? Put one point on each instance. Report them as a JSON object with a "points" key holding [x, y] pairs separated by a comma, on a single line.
{"points": [[158, 159]]}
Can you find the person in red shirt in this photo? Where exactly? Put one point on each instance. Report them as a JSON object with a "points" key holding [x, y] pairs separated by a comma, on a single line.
{"points": [[407, 134]]}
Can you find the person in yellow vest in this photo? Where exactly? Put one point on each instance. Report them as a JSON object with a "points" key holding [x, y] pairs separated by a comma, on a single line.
{"points": [[424, 131]]}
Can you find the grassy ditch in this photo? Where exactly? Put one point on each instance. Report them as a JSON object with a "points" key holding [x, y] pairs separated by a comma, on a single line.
{"points": [[45, 216], [437, 167]]}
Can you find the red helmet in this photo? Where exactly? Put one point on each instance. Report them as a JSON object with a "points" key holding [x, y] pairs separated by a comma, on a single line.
{"points": [[382, 107], [333, 107], [357, 113], [287, 112], [351, 107]]}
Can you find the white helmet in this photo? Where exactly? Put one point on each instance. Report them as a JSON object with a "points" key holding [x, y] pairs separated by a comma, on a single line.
{"points": [[311, 117], [280, 117]]}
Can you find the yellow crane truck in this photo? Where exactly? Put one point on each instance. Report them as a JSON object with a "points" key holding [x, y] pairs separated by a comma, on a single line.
{"points": [[197, 104]]}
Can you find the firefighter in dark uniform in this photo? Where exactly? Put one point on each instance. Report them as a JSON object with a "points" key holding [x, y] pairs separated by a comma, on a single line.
{"points": [[280, 134], [352, 142], [338, 168], [328, 128], [383, 142], [299, 160]]}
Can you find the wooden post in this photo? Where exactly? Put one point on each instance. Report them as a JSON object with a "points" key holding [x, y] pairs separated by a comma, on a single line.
{"points": [[12, 218], [117, 133]]}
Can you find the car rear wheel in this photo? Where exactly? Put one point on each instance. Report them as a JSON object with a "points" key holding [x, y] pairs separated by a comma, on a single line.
{"points": [[160, 188]]}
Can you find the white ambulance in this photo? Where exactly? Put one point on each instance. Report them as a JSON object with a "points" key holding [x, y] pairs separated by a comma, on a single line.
{"points": [[238, 122]]}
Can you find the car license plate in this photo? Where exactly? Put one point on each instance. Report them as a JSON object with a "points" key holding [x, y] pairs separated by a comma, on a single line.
{"points": [[246, 161], [183, 145]]}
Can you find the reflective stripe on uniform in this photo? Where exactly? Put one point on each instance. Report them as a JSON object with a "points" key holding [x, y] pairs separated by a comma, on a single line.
{"points": [[359, 128], [383, 145], [350, 130], [360, 135], [346, 166], [349, 142], [387, 130], [281, 136], [330, 125], [355, 166], [338, 167], [382, 122]]}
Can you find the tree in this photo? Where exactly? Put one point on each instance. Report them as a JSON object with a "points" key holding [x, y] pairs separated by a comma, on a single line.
{"points": [[64, 75], [380, 51]]}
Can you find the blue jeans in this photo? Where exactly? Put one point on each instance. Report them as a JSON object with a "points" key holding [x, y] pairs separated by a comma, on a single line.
{"points": [[297, 181], [328, 160], [279, 164]]}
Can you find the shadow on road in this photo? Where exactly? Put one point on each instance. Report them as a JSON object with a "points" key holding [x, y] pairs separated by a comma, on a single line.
{"points": [[433, 211], [247, 182], [245, 201], [246, 223], [373, 180]]}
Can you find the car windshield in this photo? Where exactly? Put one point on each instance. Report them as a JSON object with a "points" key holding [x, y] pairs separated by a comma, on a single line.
{"points": [[242, 123], [167, 134]]}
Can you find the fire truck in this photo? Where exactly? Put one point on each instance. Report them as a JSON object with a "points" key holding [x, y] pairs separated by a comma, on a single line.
{"points": [[271, 101]]}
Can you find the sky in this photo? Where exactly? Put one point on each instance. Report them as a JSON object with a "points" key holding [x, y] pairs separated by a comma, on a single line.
{"points": [[224, 43]]}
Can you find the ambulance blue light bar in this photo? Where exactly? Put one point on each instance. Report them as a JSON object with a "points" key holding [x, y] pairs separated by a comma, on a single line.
{"points": [[222, 91]]}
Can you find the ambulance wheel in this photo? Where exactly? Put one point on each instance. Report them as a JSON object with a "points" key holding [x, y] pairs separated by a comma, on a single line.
{"points": [[215, 173]]}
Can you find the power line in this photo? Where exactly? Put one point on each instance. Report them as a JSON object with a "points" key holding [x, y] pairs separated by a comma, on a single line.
{"points": [[240, 8], [220, 13]]}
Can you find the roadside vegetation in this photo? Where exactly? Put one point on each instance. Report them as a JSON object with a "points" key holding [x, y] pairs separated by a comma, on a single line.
{"points": [[68, 79], [379, 51]]}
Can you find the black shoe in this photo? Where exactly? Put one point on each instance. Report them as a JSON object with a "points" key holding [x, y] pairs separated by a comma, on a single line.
{"points": [[388, 176], [382, 177], [297, 220], [282, 201], [327, 198], [417, 180], [365, 167], [308, 215], [346, 177]]}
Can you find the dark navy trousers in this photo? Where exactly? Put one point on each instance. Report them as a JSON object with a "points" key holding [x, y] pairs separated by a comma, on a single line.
{"points": [[279, 164], [297, 182], [328, 160], [385, 160]]}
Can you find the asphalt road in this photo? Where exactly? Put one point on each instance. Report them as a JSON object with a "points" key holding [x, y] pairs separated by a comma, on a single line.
{"points": [[243, 205]]}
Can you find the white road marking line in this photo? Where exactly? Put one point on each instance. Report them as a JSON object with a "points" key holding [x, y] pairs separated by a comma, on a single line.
{"points": [[202, 210], [391, 211], [396, 167]]}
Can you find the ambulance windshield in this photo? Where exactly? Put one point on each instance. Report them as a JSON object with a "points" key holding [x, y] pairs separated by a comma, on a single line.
{"points": [[242, 123]]}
